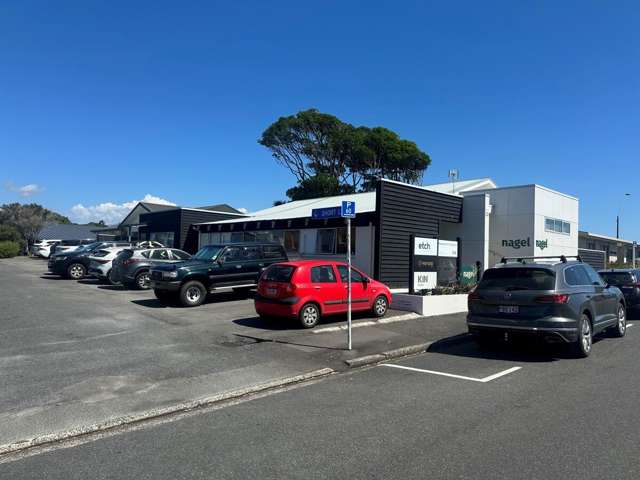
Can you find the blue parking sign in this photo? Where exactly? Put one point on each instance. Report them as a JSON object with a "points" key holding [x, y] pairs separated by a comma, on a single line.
{"points": [[348, 209]]}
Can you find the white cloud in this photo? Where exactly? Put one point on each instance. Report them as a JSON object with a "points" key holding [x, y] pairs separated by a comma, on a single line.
{"points": [[25, 190], [111, 213]]}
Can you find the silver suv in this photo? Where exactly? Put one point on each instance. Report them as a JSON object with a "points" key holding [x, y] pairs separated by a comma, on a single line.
{"points": [[561, 301]]}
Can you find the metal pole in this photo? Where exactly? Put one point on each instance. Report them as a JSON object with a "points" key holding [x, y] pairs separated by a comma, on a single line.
{"points": [[349, 281], [617, 226], [633, 255]]}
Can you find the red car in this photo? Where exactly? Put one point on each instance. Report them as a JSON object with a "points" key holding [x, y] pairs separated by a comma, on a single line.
{"points": [[309, 289]]}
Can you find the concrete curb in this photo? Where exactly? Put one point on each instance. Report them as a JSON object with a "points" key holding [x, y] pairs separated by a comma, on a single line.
{"points": [[160, 412], [404, 351]]}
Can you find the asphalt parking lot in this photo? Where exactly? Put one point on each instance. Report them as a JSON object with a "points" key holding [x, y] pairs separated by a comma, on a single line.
{"points": [[77, 353], [515, 411]]}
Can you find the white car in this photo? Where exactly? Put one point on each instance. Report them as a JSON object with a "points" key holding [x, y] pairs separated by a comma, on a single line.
{"points": [[43, 248], [67, 246], [100, 263]]}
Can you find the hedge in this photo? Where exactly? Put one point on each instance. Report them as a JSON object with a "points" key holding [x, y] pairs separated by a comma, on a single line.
{"points": [[9, 249]]}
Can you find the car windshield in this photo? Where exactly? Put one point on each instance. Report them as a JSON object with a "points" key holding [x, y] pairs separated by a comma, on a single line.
{"points": [[209, 252], [87, 247], [518, 279], [617, 278]]}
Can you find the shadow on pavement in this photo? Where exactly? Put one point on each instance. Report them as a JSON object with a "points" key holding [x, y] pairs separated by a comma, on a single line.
{"points": [[515, 350], [52, 277], [154, 303], [275, 323], [119, 288], [286, 342]]}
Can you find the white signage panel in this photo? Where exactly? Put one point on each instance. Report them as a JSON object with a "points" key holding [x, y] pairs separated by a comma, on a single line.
{"points": [[448, 248], [425, 246], [425, 280]]}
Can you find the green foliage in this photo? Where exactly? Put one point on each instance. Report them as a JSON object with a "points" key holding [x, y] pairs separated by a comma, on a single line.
{"points": [[28, 219], [320, 185], [328, 155], [9, 233], [9, 249]]}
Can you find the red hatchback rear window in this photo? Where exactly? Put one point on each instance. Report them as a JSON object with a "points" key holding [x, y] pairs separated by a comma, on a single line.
{"points": [[278, 273]]}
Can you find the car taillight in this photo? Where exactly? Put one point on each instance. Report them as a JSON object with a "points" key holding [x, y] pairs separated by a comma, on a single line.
{"points": [[291, 288], [556, 298]]}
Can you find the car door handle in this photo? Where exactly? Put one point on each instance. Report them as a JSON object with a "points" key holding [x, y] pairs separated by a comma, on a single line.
{"points": [[238, 266], [261, 264], [317, 288]]}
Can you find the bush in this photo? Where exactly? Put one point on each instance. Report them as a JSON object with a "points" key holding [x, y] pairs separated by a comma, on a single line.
{"points": [[9, 249]]}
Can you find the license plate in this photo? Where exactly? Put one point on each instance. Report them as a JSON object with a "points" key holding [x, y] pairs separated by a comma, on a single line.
{"points": [[509, 309], [272, 292]]}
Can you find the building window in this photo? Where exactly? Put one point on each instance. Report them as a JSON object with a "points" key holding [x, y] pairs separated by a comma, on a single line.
{"points": [[326, 241], [591, 245], [557, 226], [333, 241], [290, 239], [165, 238]]}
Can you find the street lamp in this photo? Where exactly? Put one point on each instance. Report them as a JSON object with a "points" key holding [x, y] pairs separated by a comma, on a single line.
{"points": [[618, 216]]}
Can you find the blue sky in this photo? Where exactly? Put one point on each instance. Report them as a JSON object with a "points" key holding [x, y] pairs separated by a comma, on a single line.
{"points": [[106, 102]]}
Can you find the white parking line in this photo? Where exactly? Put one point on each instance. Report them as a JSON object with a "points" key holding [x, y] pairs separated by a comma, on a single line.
{"points": [[451, 375], [629, 325]]}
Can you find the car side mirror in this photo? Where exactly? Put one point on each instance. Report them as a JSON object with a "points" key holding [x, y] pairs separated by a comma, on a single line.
{"points": [[366, 280], [220, 261]]}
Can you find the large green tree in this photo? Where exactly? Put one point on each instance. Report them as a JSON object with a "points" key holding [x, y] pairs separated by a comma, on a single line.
{"points": [[331, 157], [28, 219]]}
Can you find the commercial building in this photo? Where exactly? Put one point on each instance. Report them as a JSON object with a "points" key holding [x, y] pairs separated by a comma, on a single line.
{"points": [[521, 221], [616, 250], [172, 226], [487, 222]]}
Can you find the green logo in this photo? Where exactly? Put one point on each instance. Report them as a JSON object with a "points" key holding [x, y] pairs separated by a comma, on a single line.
{"points": [[542, 244], [520, 242]]}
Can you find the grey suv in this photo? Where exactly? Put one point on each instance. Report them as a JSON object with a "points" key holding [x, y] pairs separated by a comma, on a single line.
{"points": [[131, 266], [561, 301]]}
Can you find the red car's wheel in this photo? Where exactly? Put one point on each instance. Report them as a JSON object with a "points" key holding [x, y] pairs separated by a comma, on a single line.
{"points": [[380, 306]]}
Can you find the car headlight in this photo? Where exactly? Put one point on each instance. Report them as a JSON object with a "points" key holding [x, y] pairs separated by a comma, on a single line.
{"points": [[173, 274]]}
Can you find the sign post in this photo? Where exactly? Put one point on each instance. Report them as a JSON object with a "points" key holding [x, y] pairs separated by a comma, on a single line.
{"points": [[348, 211]]}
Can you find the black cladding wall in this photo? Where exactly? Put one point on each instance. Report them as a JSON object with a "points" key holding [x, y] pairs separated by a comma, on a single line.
{"points": [[404, 210], [179, 221]]}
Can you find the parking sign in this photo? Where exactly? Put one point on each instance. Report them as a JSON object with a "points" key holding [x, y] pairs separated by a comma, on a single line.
{"points": [[348, 209]]}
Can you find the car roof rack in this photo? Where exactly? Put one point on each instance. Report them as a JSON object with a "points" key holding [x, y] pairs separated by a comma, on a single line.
{"points": [[562, 258]]}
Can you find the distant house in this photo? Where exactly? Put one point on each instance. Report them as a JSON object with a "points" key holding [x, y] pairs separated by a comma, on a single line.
{"points": [[60, 231]]}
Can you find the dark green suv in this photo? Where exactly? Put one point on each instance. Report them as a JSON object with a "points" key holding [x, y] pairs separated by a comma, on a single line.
{"points": [[237, 266]]}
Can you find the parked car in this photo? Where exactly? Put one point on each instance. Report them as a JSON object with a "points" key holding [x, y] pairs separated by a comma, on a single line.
{"points": [[75, 264], [69, 245], [236, 266], [560, 301], [310, 289], [628, 281], [43, 248], [131, 266], [100, 263], [149, 244]]}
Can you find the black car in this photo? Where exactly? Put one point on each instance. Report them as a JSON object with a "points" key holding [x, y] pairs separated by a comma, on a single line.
{"points": [[628, 281], [75, 264], [236, 266]]}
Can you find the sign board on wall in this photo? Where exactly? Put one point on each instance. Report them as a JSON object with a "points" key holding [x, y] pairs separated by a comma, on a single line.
{"points": [[448, 248], [432, 260], [424, 257]]}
